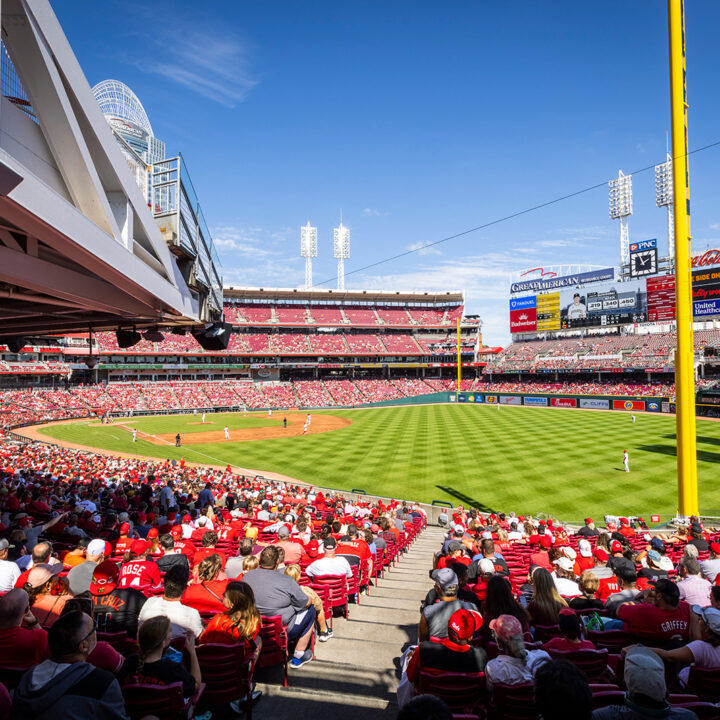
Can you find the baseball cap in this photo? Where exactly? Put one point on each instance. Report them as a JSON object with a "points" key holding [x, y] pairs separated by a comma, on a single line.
{"points": [[564, 563], [176, 531], [588, 521], [710, 615], [585, 548], [601, 554], [186, 518], [445, 579], [624, 521], [283, 531], [486, 567], [568, 621], [568, 552], [96, 547], [644, 673], [152, 533], [330, 543], [654, 555], [104, 578], [41, 573], [459, 529], [455, 546], [251, 532], [505, 627], [125, 527], [139, 547], [715, 547], [5, 544], [615, 546], [465, 623], [657, 544]]}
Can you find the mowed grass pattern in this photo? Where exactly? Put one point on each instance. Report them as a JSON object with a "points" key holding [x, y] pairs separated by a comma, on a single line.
{"points": [[565, 462]]}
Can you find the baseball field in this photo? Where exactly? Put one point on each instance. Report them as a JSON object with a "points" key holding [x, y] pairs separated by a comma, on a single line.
{"points": [[564, 462]]}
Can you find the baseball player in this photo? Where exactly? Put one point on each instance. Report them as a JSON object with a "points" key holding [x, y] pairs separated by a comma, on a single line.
{"points": [[203, 417], [134, 434], [227, 433], [626, 461]]}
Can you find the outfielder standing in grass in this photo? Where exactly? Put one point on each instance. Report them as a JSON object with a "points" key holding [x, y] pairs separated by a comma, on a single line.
{"points": [[626, 461]]}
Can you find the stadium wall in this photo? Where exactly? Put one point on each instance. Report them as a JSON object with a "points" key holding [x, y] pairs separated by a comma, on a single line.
{"points": [[628, 403]]}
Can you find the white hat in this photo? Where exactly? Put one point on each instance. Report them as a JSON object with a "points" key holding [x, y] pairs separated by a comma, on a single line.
{"points": [[485, 566], [568, 552], [565, 563], [96, 547], [585, 548], [459, 529]]}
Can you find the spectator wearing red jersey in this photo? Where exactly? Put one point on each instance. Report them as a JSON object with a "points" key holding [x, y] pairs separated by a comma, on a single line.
{"points": [[625, 528], [606, 577], [456, 553], [23, 643], [584, 560], [209, 540], [659, 616], [571, 629], [205, 591], [124, 542], [139, 572]]}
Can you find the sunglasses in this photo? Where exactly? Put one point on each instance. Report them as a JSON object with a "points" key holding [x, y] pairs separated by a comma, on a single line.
{"points": [[94, 629]]}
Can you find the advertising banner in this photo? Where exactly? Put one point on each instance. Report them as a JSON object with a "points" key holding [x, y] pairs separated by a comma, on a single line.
{"points": [[492, 399], [661, 298], [637, 405], [510, 400], [523, 314], [548, 311], [653, 406], [666, 406], [563, 402], [540, 401], [479, 398], [706, 307], [595, 403], [564, 281]]}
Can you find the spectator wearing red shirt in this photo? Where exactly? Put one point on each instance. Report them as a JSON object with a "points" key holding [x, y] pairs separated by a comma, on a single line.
{"points": [[625, 528], [293, 550], [209, 540], [584, 560], [140, 572], [205, 592], [181, 545], [662, 617], [23, 643], [456, 553], [607, 581], [570, 627], [124, 542]]}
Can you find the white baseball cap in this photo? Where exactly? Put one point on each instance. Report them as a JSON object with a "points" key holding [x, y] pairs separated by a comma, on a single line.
{"points": [[96, 547], [585, 548]]}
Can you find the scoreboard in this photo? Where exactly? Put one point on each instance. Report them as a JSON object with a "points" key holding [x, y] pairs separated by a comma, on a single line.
{"points": [[548, 311], [661, 298]]}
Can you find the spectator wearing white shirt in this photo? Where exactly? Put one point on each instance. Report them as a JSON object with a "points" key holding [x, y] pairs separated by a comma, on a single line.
{"points": [[564, 579], [181, 616], [9, 571], [329, 564], [711, 566], [694, 588]]}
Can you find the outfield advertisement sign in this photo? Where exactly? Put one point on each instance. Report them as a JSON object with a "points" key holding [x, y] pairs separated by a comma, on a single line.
{"points": [[510, 400], [564, 281], [470, 398], [653, 406], [538, 401], [636, 405], [594, 404], [492, 399], [563, 402]]}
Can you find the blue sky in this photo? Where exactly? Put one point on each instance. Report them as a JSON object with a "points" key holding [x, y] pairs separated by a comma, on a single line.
{"points": [[419, 120]]}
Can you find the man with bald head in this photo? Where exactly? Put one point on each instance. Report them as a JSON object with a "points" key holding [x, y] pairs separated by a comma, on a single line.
{"points": [[23, 643]]}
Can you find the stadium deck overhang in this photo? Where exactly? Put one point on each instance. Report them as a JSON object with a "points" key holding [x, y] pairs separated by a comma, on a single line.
{"points": [[341, 296], [79, 247]]}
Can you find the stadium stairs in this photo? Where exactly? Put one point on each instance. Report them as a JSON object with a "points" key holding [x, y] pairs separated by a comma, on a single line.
{"points": [[355, 674]]}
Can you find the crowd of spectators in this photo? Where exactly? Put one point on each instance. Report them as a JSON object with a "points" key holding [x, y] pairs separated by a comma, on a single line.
{"points": [[605, 623], [118, 572]]}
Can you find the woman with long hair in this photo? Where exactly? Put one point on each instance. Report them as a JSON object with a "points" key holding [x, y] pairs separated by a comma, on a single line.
{"points": [[205, 591], [152, 665], [499, 601], [239, 621], [546, 603], [515, 664]]}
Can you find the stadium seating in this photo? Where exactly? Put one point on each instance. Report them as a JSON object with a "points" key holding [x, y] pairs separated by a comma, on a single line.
{"points": [[327, 315]]}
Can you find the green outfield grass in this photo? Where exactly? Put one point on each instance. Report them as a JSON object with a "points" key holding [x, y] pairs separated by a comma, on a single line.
{"points": [[565, 462]]}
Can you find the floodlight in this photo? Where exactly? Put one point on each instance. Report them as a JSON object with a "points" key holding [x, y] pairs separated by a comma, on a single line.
{"points": [[620, 196], [341, 251], [154, 336], [664, 198], [308, 250]]}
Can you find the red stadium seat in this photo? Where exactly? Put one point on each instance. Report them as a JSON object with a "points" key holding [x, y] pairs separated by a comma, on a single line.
{"points": [[166, 702], [460, 691]]}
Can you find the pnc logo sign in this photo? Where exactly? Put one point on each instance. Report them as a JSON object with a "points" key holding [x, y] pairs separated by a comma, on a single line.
{"points": [[643, 245]]}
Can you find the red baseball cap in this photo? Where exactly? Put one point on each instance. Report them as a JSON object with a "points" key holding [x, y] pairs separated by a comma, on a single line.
{"points": [[465, 623], [615, 546], [588, 521], [104, 578], [624, 521], [186, 518], [715, 547], [139, 547], [505, 627], [601, 554], [125, 527], [176, 530], [152, 533]]}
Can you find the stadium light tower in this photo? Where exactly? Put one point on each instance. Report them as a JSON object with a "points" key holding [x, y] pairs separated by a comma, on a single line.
{"points": [[308, 250], [621, 209], [341, 247], [664, 198]]}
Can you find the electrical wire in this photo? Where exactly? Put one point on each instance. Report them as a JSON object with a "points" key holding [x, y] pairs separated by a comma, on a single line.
{"points": [[503, 219]]}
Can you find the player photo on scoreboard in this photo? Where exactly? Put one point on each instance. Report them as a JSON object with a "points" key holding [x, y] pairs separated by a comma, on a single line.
{"points": [[614, 303]]}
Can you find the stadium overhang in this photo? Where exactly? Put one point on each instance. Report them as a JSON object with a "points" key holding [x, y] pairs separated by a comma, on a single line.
{"points": [[79, 246], [341, 296]]}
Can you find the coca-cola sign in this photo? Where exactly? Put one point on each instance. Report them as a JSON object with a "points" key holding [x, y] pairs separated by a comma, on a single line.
{"points": [[709, 257]]}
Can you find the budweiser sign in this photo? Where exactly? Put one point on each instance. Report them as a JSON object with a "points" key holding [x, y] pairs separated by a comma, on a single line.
{"points": [[709, 257]]}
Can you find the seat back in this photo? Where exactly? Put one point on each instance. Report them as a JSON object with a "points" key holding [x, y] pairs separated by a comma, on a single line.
{"points": [[594, 663], [226, 670], [613, 640], [543, 633], [10, 676], [514, 702], [166, 702], [337, 587], [460, 691], [274, 642], [703, 710], [705, 683]]}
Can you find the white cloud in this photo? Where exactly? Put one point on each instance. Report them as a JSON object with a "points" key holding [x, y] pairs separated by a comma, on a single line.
{"points": [[423, 249], [715, 226], [373, 212]]}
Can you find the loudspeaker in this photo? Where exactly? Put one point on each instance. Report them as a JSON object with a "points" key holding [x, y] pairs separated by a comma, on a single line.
{"points": [[215, 337], [16, 344], [153, 336], [127, 338]]}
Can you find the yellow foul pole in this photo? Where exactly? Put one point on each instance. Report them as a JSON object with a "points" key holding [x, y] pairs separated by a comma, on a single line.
{"points": [[459, 364], [684, 354]]}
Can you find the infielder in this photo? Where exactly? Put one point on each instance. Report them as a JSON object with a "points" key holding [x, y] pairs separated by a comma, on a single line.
{"points": [[134, 434], [203, 417], [227, 433]]}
